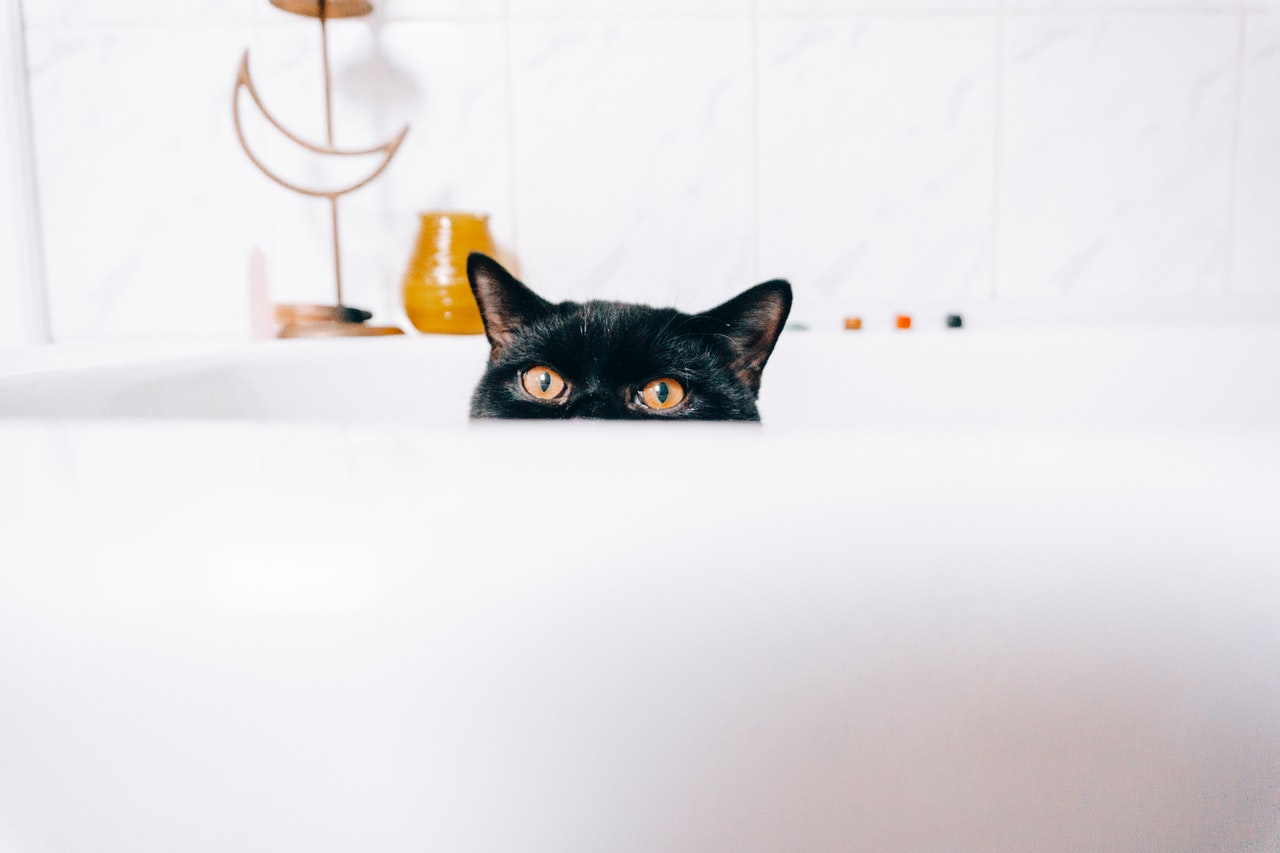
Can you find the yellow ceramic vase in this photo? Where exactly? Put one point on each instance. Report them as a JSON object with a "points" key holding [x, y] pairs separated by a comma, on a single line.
{"points": [[437, 297]]}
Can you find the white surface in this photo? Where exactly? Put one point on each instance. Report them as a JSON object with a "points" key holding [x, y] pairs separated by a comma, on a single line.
{"points": [[587, 637]]}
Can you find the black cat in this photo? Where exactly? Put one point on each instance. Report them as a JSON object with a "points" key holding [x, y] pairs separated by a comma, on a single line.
{"points": [[621, 361]]}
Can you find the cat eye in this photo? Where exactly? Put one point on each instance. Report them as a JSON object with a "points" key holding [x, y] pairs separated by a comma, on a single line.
{"points": [[543, 383], [660, 394]]}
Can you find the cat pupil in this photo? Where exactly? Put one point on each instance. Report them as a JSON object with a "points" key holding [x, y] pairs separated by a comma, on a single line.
{"points": [[544, 382], [663, 392]]}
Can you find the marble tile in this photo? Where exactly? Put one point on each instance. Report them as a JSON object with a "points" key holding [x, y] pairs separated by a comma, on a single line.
{"points": [[12, 333], [427, 10], [65, 13], [1256, 250], [630, 8], [634, 157], [148, 208], [787, 7], [455, 157], [73, 13], [13, 213], [877, 168], [1116, 149], [1121, 6]]}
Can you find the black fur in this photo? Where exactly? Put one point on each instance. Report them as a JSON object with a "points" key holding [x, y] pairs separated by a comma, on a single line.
{"points": [[607, 351]]}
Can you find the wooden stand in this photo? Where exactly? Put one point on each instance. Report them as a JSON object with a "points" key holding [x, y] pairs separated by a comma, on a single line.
{"points": [[327, 321], [314, 321]]}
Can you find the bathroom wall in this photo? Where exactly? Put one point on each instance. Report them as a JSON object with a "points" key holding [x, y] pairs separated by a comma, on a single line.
{"points": [[13, 330], [1024, 159]]}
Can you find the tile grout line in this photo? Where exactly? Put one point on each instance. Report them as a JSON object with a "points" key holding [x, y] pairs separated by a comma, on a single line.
{"points": [[996, 157], [755, 140], [265, 241], [1003, 9], [509, 51], [775, 14], [37, 325], [1233, 167]]}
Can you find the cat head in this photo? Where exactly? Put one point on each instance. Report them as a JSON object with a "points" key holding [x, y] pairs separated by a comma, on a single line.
{"points": [[619, 361]]}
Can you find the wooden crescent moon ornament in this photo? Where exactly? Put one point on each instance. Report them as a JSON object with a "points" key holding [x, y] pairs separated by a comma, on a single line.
{"points": [[245, 81], [318, 320]]}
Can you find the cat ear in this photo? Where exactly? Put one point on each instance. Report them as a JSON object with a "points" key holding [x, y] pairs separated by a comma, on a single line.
{"points": [[505, 304], [752, 320]]}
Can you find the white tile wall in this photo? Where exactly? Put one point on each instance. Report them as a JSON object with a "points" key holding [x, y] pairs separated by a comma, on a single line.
{"points": [[1148, 182], [147, 211], [41, 13], [633, 158], [919, 154], [1121, 7], [884, 193], [23, 318], [12, 332], [1256, 259], [60, 13], [1116, 145], [424, 10], [627, 8], [894, 7]]}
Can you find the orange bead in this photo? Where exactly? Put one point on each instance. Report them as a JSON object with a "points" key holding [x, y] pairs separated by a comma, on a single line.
{"points": [[904, 321], [853, 324]]}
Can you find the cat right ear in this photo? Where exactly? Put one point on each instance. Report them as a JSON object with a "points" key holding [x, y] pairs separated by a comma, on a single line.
{"points": [[506, 305], [752, 321]]}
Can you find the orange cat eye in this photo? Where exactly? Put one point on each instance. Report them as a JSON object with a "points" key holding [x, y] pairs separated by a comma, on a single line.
{"points": [[660, 394], [543, 383]]}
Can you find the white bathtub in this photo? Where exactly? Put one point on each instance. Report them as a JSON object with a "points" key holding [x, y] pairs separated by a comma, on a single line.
{"points": [[1103, 378], [985, 596]]}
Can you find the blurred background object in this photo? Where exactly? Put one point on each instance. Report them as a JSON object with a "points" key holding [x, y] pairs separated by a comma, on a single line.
{"points": [[1026, 159], [338, 319], [437, 294]]}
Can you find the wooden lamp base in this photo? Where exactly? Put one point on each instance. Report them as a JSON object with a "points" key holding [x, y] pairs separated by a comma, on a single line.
{"points": [[327, 321], [330, 9]]}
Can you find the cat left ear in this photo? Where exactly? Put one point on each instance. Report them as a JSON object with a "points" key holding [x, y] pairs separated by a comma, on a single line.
{"points": [[506, 305], [753, 320]]}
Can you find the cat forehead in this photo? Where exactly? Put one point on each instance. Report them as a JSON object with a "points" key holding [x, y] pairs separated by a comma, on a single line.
{"points": [[611, 324], [614, 338], [598, 312]]}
